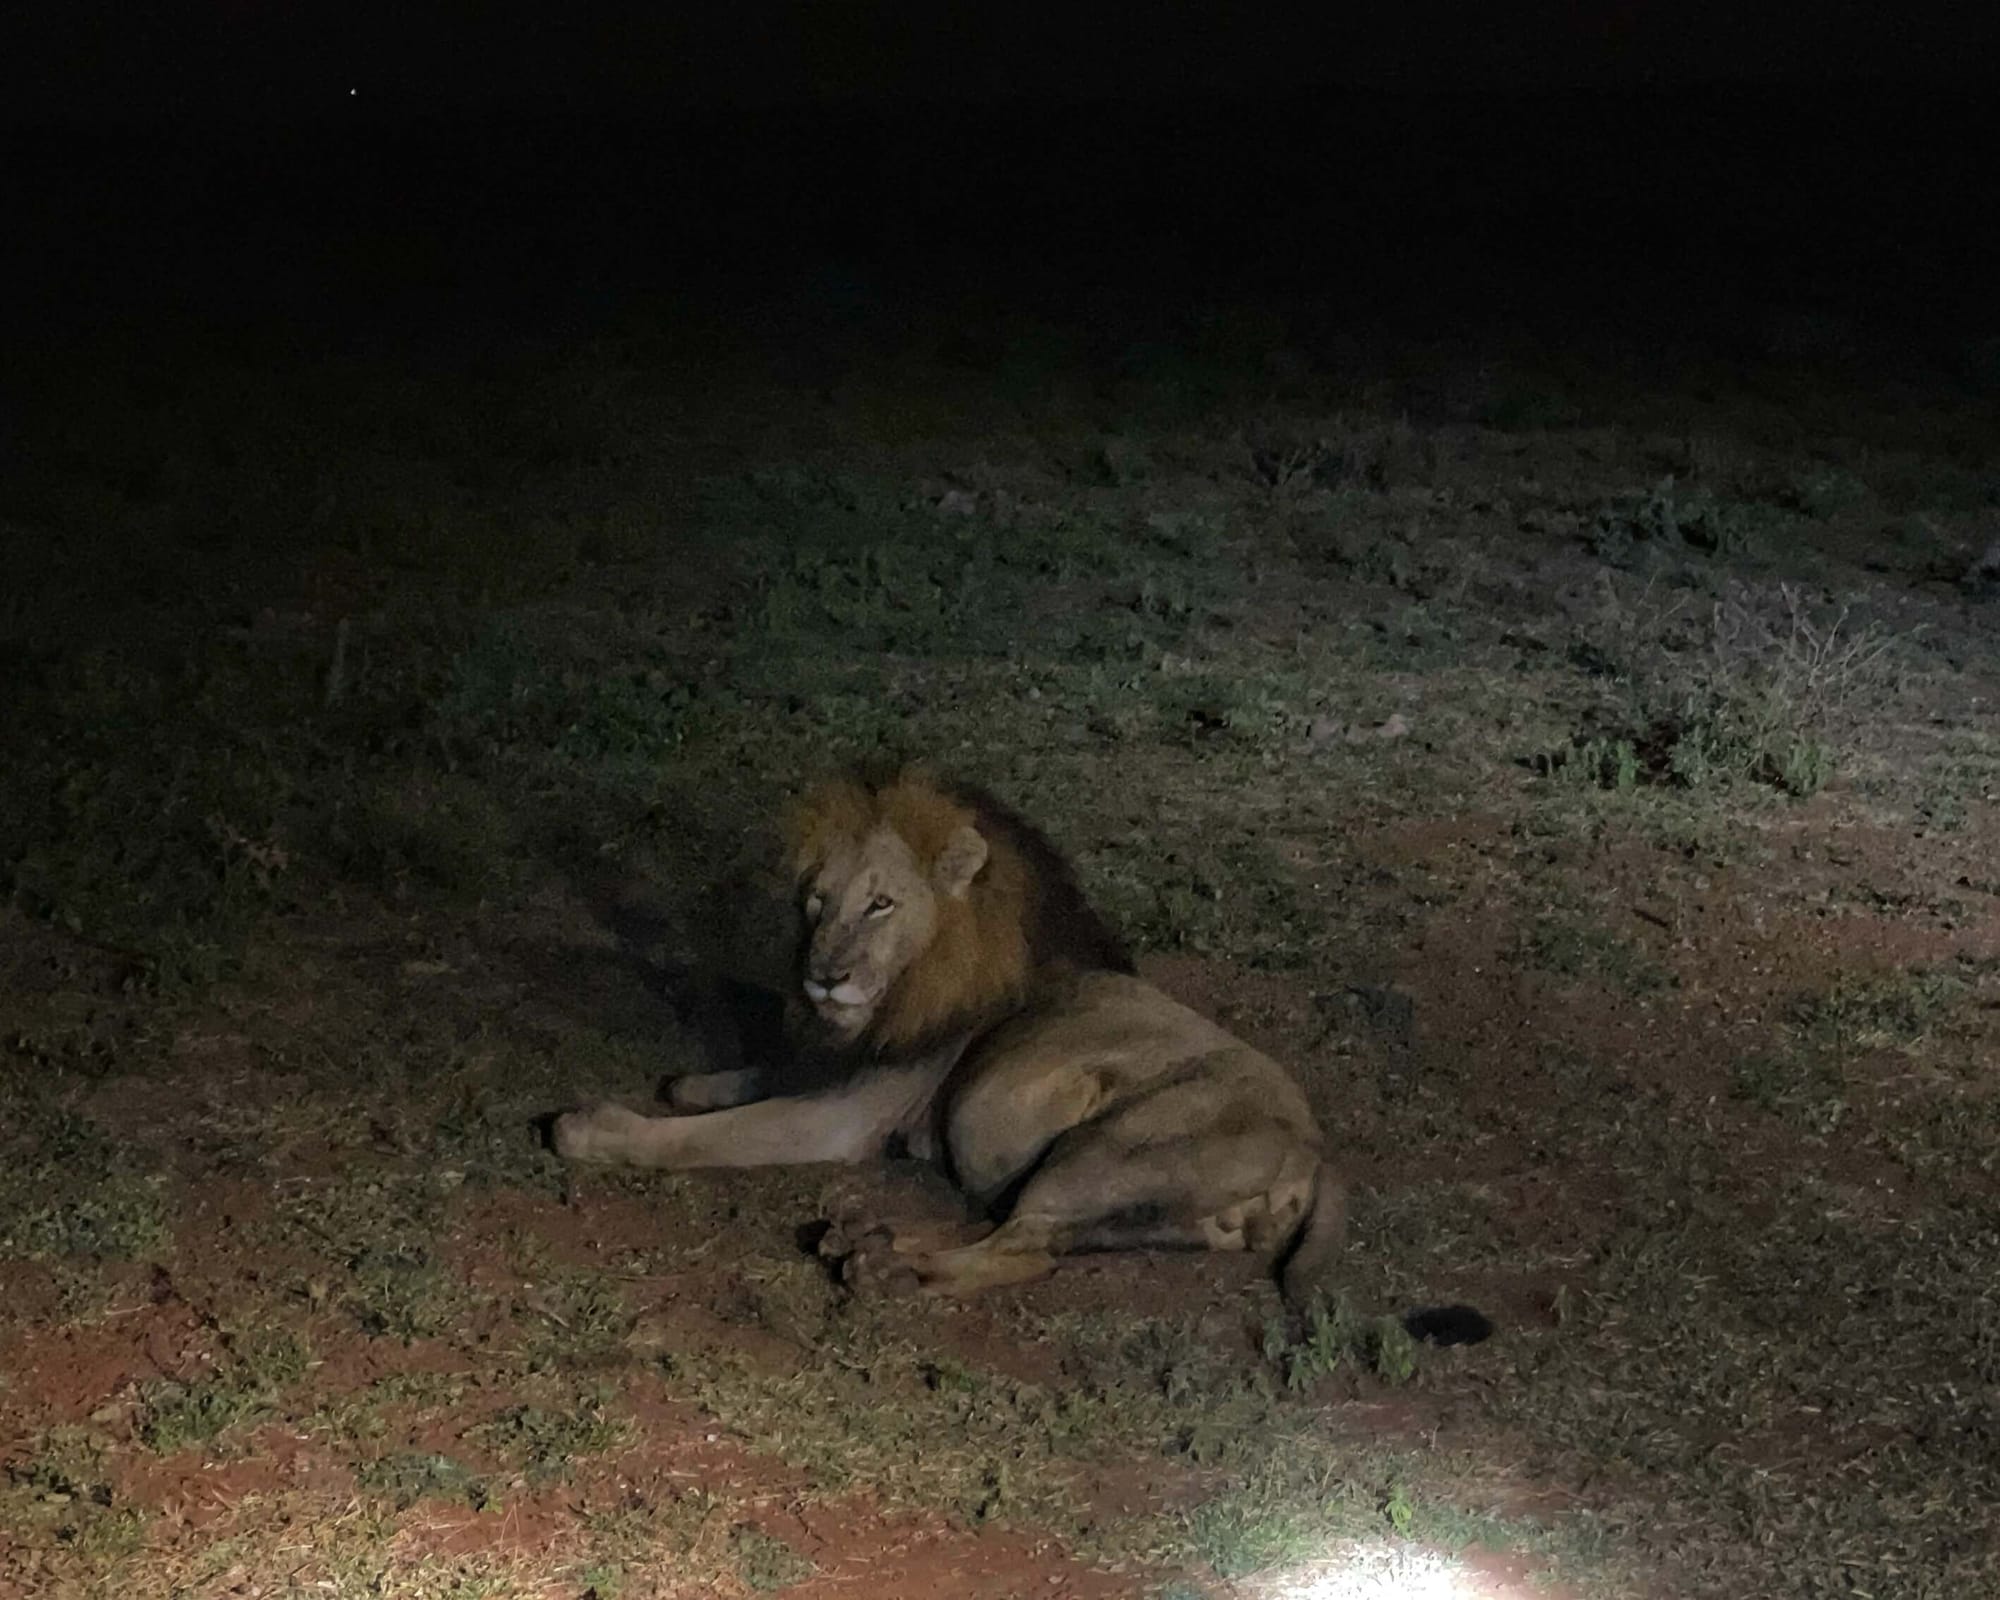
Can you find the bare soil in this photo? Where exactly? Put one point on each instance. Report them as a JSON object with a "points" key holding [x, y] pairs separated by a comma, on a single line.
{"points": [[1683, 1073]]}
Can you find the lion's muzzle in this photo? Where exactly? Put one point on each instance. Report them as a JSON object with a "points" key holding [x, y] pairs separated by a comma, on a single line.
{"points": [[837, 991]]}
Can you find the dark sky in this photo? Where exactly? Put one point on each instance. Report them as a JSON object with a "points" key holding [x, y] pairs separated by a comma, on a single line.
{"points": [[117, 60]]}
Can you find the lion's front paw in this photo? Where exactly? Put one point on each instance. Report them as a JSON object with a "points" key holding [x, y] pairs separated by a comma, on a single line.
{"points": [[603, 1133]]}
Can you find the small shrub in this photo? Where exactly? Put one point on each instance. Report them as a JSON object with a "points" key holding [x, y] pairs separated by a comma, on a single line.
{"points": [[1738, 694], [1334, 1337]]}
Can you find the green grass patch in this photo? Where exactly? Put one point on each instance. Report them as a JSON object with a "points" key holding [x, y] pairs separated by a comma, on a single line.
{"points": [[60, 1495], [540, 1441], [68, 1189], [1894, 1010], [1805, 1087], [1578, 950], [375, 1233], [258, 1369], [1334, 1338], [767, 1564], [403, 1478]]}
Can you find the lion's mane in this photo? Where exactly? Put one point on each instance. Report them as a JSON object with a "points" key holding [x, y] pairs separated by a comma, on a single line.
{"points": [[1023, 923]]}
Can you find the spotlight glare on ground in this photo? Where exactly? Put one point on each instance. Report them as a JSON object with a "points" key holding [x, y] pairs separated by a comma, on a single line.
{"points": [[1382, 1572]]}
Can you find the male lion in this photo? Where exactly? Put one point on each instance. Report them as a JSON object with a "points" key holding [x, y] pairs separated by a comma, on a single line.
{"points": [[988, 1019]]}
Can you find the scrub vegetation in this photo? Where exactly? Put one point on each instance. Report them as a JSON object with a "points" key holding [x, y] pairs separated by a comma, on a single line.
{"points": [[1587, 784]]}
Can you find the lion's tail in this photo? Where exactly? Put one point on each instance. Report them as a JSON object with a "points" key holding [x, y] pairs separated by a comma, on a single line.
{"points": [[1319, 1239], [1321, 1234]]}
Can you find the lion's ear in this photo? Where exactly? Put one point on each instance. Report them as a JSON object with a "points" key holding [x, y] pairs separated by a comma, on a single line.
{"points": [[958, 863]]}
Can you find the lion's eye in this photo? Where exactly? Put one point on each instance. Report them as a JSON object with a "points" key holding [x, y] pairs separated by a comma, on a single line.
{"points": [[881, 906]]}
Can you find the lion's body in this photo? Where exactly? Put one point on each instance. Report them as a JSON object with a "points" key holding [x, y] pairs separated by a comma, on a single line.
{"points": [[994, 1025]]}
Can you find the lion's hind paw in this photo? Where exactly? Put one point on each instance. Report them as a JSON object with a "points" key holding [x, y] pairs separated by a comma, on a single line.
{"points": [[868, 1261]]}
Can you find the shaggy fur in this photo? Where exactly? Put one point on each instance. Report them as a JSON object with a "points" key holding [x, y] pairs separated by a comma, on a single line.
{"points": [[995, 1025], [1024, 922]]}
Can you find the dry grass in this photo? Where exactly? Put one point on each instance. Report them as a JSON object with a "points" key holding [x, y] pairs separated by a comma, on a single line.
{"points": [[1685, 1065]]}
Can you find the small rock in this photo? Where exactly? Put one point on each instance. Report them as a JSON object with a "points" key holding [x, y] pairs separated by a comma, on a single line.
{"points": [[957, 503]]}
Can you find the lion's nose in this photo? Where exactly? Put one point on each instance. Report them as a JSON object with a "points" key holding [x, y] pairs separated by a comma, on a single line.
{"points": [[823, 981]]}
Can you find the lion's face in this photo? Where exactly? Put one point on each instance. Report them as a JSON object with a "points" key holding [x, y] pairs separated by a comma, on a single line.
{"points": [[870, 908]]}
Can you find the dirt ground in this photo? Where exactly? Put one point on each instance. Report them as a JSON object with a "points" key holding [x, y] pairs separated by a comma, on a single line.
{"points": [[1586, 783]]}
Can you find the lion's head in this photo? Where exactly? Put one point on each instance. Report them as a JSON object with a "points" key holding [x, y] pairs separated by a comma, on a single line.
{"points": [[927, 910]]}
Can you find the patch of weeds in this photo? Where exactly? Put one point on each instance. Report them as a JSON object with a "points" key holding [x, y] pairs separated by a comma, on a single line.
{"points": [[1593, 763], [541, 1442], [867, 1408], [86, 1290], [1946, 1133], [933, 1432], [377, 1229], [67, 1189], [1711, 738], [484, 1128], [1733, 695], [247, 1387], [583, 1321], [410, 1476], [926, 598], [766, 1564], [62, 1493], [1193, 539], [1291, 1512], [1672, 516], [1334, 1337], [1234, 898], [182, 1414], [1689, 1296], [182, 963], [1900, 1009], [1240, 1535], [794, 1300], [400, 1292], [1804, 1088], [562, 702], [640, 1537], [1576, 950], [360, 1415], [1698, 744]]}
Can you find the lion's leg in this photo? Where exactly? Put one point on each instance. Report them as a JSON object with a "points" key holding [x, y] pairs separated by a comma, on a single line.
{"points": [[1245, 1190], [854, 1123], [1010, 1253], [717, 1091]]}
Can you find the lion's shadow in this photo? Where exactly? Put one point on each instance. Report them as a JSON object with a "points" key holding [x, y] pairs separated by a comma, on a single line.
{"points": [[722, 990]]}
